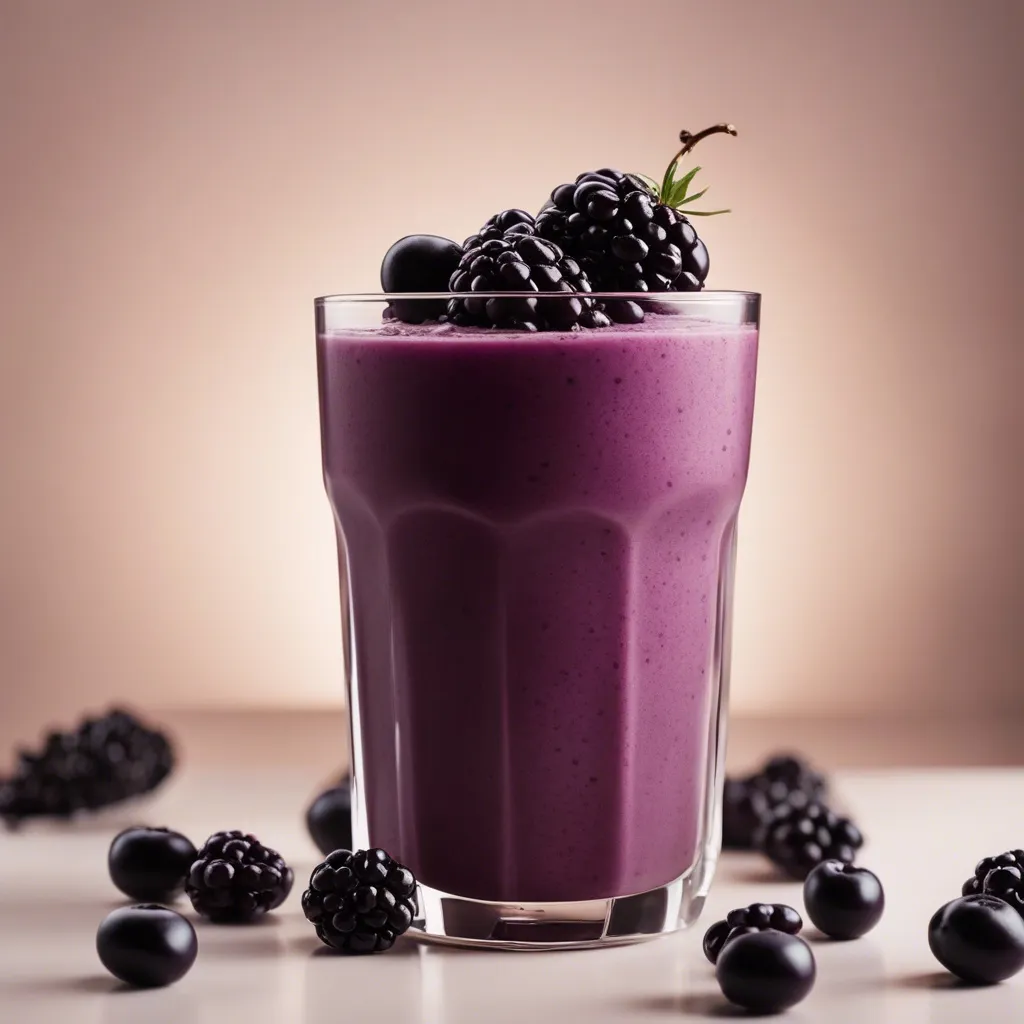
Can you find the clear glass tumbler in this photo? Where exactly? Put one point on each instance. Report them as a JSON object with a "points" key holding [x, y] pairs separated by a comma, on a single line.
{"points": [[536, 539]]}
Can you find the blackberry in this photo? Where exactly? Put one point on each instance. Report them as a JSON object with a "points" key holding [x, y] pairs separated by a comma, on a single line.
{"points": [[235, 878], [749, 801], [329, 819], [629, 235], [757, 917], [360, 902], [507, 222], [100, 762], [798, 838], [1001, 876], [522, 263]]}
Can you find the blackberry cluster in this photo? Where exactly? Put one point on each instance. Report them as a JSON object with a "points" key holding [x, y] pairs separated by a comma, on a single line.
{"points": [[758, 917], [798, 837], [100, 762], [506, 222], [627, 240], [520, 262], [360, 902], [1001, 876], [235, 878], [750, 800]]}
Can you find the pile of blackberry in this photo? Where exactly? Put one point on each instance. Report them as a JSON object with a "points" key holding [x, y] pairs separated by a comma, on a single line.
{"points": [[797, 837], [750, 800], [100, 762], [606, 232]]}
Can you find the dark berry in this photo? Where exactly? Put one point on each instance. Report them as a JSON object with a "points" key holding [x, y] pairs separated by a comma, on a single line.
{"points": [[101, 762], [627, 235], [766, 972], [755, 918], [419, 263], [519, 262], [360, 902], [329, 819], [514, 221], [235, 878], [1002, 876], [150, 864], [980, 939], [749, 801], [797, 838], [843, 901], [146, 946]]}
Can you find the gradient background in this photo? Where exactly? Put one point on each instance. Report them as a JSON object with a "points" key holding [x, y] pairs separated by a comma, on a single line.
{"points": [[178, 180]]}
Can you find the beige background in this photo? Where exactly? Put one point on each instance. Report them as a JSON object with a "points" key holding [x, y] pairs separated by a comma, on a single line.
{"points": [[180, 178]]}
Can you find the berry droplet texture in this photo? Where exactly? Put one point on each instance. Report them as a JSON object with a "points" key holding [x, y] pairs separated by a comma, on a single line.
{"points": [[360, 902], [236, 879]]}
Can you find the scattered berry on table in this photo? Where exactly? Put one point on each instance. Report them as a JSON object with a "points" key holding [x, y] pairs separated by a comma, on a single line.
{"points": [[756, 917], [360, 902], [146, 946], [1002, 876], [980, 939], [329, 819], [766, 971], [150, 864], [843, 901], [235, 878]]}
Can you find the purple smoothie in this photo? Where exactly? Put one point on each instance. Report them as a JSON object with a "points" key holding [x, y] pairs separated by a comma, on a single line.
{"points": [[536, 536]]}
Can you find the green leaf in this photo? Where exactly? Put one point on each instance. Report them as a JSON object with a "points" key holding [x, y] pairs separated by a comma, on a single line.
{"points": [[694, 197], [705, 213], [666, 182]]}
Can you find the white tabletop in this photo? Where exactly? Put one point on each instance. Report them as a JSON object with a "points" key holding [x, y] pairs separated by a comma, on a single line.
{"points": [[925, 831]]}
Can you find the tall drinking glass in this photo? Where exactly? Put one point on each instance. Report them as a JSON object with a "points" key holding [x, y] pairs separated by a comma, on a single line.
{"points": [[536, 539]]}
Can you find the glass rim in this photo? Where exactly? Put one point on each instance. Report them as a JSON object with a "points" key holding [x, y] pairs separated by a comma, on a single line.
{"points": [[702, 297]]}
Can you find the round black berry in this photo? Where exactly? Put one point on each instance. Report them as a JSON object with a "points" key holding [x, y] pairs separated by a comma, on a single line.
{"points": [[146, 946], [766, 972], [797, 838], [980, 939], [100, 762], [1002, 876], [514, 221], [419, 263], [517, 262], [843, 901], [150, 864], [329, 819], [627, 235], [755, 918], [360, 902], [235, 878]]}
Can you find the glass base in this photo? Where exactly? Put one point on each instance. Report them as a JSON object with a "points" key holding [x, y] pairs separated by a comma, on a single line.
{"points": [[456, 921]]}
